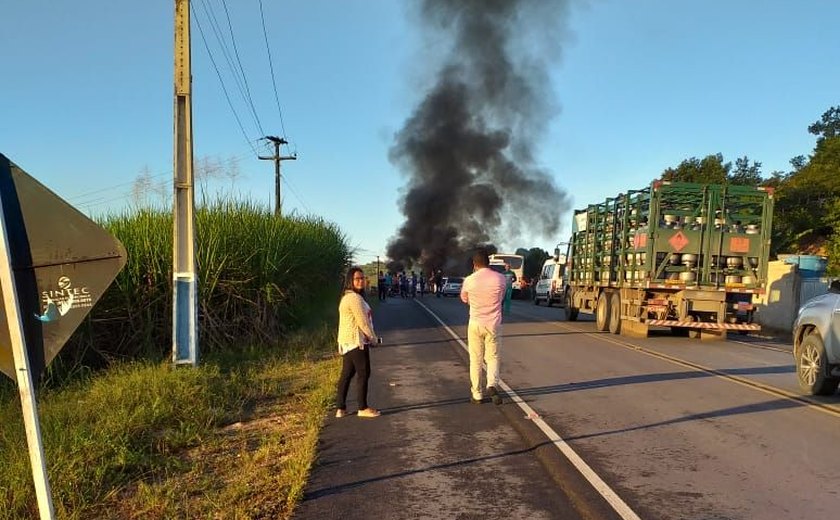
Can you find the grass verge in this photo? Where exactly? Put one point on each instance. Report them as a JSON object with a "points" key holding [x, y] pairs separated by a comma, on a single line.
{"points": [[233, 438]]}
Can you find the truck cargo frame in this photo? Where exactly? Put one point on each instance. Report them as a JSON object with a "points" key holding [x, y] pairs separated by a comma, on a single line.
{"points": [[681, 255]]}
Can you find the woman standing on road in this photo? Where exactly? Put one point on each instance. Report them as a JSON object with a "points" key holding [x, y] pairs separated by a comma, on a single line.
{"points": [[355, 337]]}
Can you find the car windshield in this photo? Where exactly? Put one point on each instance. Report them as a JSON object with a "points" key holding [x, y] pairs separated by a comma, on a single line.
{"points": [[456, 280], [498, 268]]}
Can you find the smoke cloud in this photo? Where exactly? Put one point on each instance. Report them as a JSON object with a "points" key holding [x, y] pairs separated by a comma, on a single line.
{"points": [[468, 148]]}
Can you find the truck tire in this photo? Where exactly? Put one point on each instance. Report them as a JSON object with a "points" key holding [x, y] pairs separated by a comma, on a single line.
{"points": [[602, 312], [812, 367], [692, 333], [570, 311], [615, 313]]}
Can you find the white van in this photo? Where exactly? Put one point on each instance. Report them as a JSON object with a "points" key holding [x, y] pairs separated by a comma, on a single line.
{"points": [[551, 284]]}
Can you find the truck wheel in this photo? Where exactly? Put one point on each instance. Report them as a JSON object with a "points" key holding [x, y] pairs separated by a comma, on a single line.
{"points": [[615, 314], [571, 312], [602, 312], [812, 367], [536, 298]]}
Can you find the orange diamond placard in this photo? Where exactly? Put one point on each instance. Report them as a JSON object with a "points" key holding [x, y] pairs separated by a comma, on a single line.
{"points": [[678, 241], [739, 245]]}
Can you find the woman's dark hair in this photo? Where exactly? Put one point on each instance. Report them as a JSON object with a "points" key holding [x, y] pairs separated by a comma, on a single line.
{"points": [[348, 281]]}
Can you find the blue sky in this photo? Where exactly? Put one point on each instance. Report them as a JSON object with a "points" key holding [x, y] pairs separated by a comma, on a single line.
{"points": [[86, 101]]}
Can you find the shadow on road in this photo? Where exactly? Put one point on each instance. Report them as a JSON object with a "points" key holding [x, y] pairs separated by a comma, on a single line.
{"points": [[650, 378], [319, 493]]}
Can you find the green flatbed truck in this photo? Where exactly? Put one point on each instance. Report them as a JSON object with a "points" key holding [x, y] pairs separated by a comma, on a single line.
{"points": [[680, 255]]}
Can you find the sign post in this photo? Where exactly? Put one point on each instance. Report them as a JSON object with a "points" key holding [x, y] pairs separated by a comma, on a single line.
{"points": [[24, 376]]}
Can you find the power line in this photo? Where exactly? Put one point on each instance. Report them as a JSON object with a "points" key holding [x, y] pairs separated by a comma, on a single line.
{"points": [[294, 192], [84, 195], [271, 67], [109, 188], [217, 32], [242, 70], [227, 97]]}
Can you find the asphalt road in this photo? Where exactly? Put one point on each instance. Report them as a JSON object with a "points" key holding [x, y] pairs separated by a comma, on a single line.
{"points": [[673, 427]]}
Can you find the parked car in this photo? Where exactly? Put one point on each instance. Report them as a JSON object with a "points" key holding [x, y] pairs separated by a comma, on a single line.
{"points": [[550, 286], [452, 286], [816, 343]]}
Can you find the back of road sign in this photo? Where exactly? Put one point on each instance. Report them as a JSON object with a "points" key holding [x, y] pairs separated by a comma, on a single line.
{"points": [[62, 263]]}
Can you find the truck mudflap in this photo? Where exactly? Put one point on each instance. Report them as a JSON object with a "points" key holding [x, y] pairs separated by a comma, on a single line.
{"points": [[704, 325]]}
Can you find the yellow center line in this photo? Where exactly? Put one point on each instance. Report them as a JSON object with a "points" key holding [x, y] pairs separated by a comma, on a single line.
{"points": [[755, 385]]}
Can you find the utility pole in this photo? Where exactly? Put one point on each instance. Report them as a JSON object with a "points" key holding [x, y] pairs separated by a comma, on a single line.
{"points": [[185, 292], [277, 158]]}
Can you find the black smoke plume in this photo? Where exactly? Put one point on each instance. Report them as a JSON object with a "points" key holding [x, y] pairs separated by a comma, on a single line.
{"points": [[468, 148]]}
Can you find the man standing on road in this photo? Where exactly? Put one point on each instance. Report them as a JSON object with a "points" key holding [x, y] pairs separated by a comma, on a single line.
{"points": [[438, 283], [510, 277], [483, 291], [383, 288]]}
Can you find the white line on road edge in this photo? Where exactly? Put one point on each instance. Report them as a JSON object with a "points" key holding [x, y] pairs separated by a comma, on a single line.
{"points": [[606, 491]]}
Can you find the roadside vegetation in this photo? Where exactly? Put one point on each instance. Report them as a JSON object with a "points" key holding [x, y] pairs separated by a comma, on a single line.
{"points": [[127, 435]]}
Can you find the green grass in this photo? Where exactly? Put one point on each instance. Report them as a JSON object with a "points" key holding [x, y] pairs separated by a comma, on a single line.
{"points": [[127, 435], [232, 438]]}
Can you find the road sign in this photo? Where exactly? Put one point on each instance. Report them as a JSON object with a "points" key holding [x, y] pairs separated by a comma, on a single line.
{"points": [[62, 263]]}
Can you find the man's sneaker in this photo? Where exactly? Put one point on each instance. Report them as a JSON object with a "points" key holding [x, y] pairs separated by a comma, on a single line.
{"points": [[475, 400], [494, 395]]}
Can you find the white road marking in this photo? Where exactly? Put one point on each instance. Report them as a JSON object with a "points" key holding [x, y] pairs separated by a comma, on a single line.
{"points": [[618, 505]]}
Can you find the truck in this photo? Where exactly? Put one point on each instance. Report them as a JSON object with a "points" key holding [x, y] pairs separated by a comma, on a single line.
{"points": [[682, 255]]}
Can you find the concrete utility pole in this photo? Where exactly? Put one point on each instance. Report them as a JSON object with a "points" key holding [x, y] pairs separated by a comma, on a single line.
{"points": [[277, 158], [185, 293]]}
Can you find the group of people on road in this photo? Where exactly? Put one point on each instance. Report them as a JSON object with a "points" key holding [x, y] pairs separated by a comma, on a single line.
{"points": [[400, 284], [486, 292]]}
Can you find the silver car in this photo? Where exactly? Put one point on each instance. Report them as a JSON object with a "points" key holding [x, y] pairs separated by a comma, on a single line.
{"points": [[452, 286], [816, 343]]}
